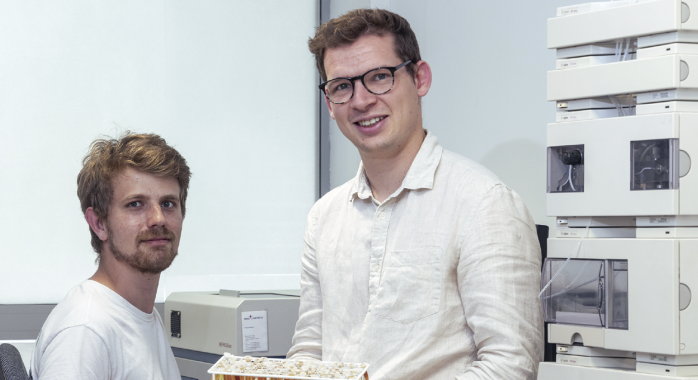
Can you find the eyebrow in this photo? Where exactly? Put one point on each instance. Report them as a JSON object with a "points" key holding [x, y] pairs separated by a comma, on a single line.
{"points": [[168, 197]]}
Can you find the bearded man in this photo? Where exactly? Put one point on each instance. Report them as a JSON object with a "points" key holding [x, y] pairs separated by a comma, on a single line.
{"points": [[133, 192]]}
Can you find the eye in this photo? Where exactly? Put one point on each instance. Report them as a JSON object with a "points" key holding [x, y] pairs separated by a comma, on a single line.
{"points": [[380, 77], [168, 204], [134, 204], [340, 86]]}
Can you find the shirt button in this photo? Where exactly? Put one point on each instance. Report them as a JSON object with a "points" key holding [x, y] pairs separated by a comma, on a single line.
{"points": [[376, 268], [382, 215]]}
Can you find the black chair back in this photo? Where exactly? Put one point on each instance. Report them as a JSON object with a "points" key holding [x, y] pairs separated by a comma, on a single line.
{"points": [[11, 364], [542, 232], [549, 352]]}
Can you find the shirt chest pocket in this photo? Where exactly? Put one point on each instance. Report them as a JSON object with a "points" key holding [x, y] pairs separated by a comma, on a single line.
{"points": [[410, 285]]}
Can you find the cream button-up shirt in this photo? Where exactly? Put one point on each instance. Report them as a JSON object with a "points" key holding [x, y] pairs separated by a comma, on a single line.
{"points": [[439, 281]]}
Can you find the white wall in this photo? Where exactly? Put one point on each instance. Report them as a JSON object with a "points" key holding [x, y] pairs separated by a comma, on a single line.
{"points": [[199, 73], [487, 100]]}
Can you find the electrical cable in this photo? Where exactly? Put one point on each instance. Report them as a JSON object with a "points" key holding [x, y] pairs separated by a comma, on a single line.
{"points": [[569, 178]]}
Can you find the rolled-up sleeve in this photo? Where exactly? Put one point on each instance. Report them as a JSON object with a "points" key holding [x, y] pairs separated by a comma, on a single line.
{"points": [[498, 279], [307, 340]]}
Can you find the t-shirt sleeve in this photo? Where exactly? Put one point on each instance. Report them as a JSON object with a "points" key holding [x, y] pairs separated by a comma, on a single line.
{"points": [[75, 353]]}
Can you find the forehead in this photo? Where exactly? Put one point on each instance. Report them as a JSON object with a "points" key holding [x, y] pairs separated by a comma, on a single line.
{"points": [[130, 181], [366, 53]]}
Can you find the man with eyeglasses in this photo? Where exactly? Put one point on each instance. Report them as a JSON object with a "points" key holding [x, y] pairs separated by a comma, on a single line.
{"points": [[424, 265]]}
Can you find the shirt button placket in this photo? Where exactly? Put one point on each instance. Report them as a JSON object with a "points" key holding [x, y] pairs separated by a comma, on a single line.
{"points": [[379, 238]]}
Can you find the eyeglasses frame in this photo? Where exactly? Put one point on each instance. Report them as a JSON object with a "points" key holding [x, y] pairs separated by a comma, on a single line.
{"points": [[353, 79]]}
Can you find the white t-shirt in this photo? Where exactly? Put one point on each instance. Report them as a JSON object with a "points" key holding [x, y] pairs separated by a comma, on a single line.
{"points": [[95, 334]]}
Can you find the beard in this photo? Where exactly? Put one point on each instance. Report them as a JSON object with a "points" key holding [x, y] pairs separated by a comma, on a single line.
{"points": [[153, 260]]}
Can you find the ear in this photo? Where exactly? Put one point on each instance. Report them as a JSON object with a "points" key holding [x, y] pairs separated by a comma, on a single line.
{"points": [[97, 225], [422, 78], [329, 106]]}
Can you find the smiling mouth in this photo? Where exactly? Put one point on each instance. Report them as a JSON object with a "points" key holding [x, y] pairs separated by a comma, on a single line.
{"points": [[370, 122]]}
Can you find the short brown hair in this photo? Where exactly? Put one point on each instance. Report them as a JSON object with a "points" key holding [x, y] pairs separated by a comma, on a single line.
{"points": [[147, 152], [350, 26]]}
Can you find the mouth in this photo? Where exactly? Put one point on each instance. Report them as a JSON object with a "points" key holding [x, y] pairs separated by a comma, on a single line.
{"points": [[156, 241], [370, 122]]}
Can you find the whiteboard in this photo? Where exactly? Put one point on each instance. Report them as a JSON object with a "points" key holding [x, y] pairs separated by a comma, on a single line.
{"points": [[197, 73]]}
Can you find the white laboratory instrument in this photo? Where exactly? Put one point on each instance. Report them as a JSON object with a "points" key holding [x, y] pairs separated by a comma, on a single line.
{"points": [[616, 288], [202, 326]]}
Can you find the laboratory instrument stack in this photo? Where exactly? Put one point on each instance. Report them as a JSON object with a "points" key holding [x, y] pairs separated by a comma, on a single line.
{"points": [[616, 288]]}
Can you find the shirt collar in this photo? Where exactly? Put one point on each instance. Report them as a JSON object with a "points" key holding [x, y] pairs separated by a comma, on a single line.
{"points": [[420, 175], [361, 187]]}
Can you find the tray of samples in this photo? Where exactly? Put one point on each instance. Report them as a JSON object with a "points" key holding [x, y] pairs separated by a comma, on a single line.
{"points": [[231, 367]]}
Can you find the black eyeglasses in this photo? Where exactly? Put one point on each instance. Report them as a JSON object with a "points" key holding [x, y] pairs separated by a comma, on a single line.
{"points": [[380, 80]]}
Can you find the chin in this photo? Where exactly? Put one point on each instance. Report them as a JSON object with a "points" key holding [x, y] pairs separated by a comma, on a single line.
{"points": [[151, 261], [157, 262]]}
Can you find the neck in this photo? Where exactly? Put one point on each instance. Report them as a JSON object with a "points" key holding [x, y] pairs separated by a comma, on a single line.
{"points": [[139, 289], [386, 173]]}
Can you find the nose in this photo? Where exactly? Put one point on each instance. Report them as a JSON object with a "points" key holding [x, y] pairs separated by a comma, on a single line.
{"points": [[155, 216], [362, 98]]}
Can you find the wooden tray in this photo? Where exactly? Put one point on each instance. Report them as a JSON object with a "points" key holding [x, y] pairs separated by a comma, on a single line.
{"points": [[259, 369]]}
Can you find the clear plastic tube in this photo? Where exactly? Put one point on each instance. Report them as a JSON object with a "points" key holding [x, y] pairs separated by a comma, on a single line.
{"points": [[559, 188], [574, 252], [643, 169], [613, 101], [627, 45]]}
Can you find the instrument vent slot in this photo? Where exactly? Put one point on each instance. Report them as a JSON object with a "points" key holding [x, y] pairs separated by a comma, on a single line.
{"points": [[176, 323]]}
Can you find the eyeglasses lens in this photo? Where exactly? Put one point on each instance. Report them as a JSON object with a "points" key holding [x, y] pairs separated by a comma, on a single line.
{"points": [[339, 91]]}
